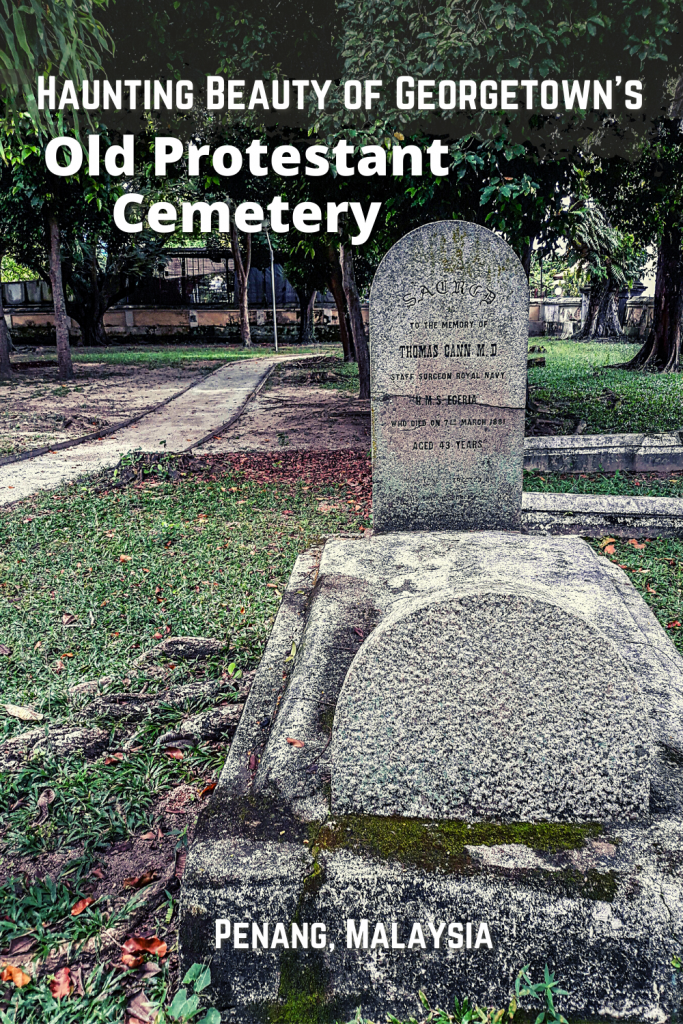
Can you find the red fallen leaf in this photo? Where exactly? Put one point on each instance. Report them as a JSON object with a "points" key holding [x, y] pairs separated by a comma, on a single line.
{"points": [[157, 636], [674, 624], [137, 944], [207, 789], [141, 880], [635, 544], [649, 589], [147, 836], [97, 872], [15, 974], [609, 549], [131, 961], [82, 905], [60, 985], [295, 743], [253, 763], [174, 752], [114, 758]]}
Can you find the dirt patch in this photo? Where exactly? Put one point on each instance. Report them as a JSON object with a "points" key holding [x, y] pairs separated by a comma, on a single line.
{"points": [[306, 405], [38, 409]]}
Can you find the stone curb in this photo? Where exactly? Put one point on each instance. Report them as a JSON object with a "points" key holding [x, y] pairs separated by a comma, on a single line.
{"points": [[595, 515], [607, 453]]}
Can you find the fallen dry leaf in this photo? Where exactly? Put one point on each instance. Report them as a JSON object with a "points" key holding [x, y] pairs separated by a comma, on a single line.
{"points": [[4, 649], [140, 1008], [82, 905], [674, 624], [635, 544], [181, 857], [649, 589], [25, 714], [145, 879], [174, 752], [19, 946], [97, 872], [15, 974], [114, 758], [60, 985], [44, 801], [68, 619], [59, 665], [125, 558], [77, 979], [207, 789], [606, 541], [609, 550], [295, 743], [253, 763], [139, 944]]}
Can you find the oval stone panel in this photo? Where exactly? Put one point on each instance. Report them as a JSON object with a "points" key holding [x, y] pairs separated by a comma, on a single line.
{"points": [[449, 311], [490, 707]]}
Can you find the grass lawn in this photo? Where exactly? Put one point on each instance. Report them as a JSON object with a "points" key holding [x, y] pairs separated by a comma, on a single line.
{"points": [[576, 384], [88, 581], [177, 355]]}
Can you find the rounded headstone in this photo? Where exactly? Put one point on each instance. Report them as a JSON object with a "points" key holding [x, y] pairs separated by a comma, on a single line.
{"points": [[490, 706], [449, 312]]}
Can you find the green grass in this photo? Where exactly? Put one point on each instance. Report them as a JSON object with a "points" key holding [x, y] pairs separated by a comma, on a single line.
{"points": [[576, 382], [639, 484], [178, 355]]}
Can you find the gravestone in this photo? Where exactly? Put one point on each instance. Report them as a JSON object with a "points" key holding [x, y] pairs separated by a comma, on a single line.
{"points": [[449, 310], [462, 751], [425, 715]]}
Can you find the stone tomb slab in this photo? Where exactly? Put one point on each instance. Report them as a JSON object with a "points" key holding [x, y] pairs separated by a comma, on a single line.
{"points": [[448, 344], [600, 902], [490, 706]]}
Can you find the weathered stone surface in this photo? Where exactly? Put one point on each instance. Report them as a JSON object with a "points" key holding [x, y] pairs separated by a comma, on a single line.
{"points": [[596, 515], [604, 911], [606, 453], [448, 319], [491, 706]]}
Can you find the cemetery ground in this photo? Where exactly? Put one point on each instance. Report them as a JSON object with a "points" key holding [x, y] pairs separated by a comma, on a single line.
{"points": [[110, 386], [96, 576], [95, 827]]}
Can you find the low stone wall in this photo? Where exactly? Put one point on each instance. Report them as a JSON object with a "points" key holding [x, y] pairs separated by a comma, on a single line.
{"points": [[557, 317], [124, 321]]}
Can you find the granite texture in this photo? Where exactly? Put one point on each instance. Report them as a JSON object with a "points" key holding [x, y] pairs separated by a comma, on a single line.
{"points": [[448, 344], [606, 913], [605, 453], [490, 706], [597, 515]]}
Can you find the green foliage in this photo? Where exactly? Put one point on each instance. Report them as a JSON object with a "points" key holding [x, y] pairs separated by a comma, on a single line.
{"points": [[186, 1004], [64, 39]]}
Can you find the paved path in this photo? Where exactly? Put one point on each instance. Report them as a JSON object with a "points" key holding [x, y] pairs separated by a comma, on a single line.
{"points": [[182, 424]]}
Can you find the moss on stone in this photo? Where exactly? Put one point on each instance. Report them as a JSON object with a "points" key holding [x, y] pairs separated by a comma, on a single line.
{"points": [[440, 846]]}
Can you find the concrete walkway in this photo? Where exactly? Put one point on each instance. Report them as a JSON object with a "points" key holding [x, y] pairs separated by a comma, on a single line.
{"points": [[178, 427]]}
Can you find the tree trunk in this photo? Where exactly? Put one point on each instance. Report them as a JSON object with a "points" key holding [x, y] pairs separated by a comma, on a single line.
{"points": [[336, 285], [662, 349], [66, 370], [5, 365], [525, 257], [607, 321], [602, 319], [592, 313], [242, 267], [306, 303], [360, 339]]}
